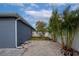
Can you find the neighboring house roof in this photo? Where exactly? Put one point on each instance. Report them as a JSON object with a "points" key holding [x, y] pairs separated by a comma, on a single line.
{"points": [[17, 16]]}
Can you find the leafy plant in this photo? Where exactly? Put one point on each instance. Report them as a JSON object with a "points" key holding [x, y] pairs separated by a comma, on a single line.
{"points": [[41, 28]]}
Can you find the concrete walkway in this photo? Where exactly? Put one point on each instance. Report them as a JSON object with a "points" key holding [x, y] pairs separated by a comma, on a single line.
{"points": [[35, 48]]}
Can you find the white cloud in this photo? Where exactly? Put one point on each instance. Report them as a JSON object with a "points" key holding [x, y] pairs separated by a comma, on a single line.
{"points": [[16, 4], [57, 4], [34, 5], [41, 13], [75, 7]]}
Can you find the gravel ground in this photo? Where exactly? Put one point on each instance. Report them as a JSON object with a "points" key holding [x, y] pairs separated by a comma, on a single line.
{"points": [[43, 48], [35, 48], [11, 52]]}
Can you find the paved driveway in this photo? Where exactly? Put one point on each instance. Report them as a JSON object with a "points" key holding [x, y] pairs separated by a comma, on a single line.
{"points": [[35, 48]]}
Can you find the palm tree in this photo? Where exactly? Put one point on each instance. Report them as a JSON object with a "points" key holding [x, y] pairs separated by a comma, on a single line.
{"points": [[74, 24], [67, 24], [61, 31], [71, 21], [65, 17], [53, 24]]}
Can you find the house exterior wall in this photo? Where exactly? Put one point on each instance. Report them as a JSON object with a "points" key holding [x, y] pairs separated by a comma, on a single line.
{"points": [[24, 32], [7, 33]]}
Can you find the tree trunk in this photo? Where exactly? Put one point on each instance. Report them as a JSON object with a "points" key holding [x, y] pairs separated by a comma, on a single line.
{"points": [[67, 38], [72, 38], [62, 40], [69, 50], [54, 37]]}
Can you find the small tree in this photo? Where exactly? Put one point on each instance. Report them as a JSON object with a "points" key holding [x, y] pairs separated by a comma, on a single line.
{"points": [[41, 27]]}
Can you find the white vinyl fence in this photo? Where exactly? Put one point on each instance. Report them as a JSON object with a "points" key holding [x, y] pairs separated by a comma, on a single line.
{"points": [[75, 44]]}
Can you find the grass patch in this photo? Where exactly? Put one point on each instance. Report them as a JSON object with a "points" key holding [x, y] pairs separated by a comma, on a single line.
{"points": [[40, 38]]}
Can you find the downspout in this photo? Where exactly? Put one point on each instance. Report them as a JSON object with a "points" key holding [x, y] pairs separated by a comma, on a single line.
{"points": [[16, 31]]}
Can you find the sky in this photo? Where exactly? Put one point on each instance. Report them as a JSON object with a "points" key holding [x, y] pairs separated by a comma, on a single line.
{"points": [[33, 12]]}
